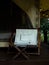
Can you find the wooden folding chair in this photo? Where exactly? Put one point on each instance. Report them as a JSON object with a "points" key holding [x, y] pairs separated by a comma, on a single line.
{"points": [[23, 51]]}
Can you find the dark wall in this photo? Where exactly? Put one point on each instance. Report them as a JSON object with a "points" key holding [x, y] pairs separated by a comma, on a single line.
{"points": [[4, 14], [11, 17]]}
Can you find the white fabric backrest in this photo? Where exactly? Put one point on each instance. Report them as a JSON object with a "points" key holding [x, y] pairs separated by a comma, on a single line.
{"points": [[25, 37], [5, 35]]}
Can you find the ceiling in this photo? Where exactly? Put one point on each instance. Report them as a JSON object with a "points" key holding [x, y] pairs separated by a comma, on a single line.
{"points": [[25, 4]]}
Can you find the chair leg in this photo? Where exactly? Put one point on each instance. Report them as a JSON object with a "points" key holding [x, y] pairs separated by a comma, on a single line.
{"points": [[8, 50], [38, 51], [25, 56], [16, 56], [21, 52]]}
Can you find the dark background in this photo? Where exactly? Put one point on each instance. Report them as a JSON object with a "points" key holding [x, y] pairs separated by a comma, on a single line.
{"points": [[11, 17]]}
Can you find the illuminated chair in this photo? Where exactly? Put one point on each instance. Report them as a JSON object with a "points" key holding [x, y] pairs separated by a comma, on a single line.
{"points": [[4, 39], [26, 38]]}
